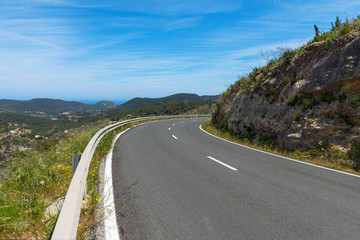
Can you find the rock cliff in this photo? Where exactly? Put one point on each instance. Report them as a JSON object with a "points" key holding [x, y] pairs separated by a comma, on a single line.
{"points": [[307, 99]]}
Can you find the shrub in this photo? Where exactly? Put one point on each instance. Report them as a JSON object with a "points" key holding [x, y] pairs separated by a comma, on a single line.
{"points": [[309, 122], [327, 97], [329, 115], [261, 78], [243, 84], [287, 54], [346, 119], [354, 152], [291, 102], [285, 80], [226, 94], [297, 100], [272, 99], [292, 80], [248, 129], [345, 30], [338, 29], [355, 101], [306, 104], [297, 116], [342, 96]]}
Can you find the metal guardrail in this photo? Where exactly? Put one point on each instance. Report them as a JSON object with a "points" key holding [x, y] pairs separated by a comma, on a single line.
{"points": [[67, 223]]}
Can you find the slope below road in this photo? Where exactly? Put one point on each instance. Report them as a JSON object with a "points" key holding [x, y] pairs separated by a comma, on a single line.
{"points": [[189, 185]]}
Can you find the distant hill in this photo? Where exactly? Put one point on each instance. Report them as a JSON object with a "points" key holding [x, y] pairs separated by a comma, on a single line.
{"points": [[103, 105], [52, 106], [137, 103]]}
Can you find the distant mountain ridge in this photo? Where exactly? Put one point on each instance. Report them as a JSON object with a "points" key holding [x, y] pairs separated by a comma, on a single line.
{"points": [[52, 106], [137, 103]]}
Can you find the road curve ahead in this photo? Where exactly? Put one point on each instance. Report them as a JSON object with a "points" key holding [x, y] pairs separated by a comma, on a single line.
{"points": [[173, 181]]}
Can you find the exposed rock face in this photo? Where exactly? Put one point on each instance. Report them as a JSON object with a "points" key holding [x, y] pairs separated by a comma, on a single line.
{"points": [[303, 102]]}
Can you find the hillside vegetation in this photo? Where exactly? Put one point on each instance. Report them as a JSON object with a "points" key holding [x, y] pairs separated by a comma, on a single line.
{"points": [[36, 158], [21, 132], [33, 180], [307, 98], [37, 178], [24, 129], [46, 106], [138, 103]]}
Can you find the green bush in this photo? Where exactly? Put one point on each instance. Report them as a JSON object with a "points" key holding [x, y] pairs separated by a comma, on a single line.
{"points": [[306, 104], [285, 80], [342, 96], [329, 115], [346, 119], [226, 94], [309, 122], [345, 30], [243, 84], [272, 99], [297, 100], [327, 97], [288, 54], [355, 101], [354, 152], [337, 30]]}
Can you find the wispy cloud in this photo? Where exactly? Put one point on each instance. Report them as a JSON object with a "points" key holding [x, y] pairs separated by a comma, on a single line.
{"points": [[173, 7], [96, 50], [181, 23]]}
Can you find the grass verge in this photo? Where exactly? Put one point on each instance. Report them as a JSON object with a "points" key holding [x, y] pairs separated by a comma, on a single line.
{"points": [[33, 180], [91, 217], [332, 157]]}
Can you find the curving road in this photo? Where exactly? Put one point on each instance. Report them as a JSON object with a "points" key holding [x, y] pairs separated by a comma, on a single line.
{"points": [[173, 181]]}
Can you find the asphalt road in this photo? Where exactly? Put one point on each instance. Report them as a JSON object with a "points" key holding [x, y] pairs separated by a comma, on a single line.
{"points": [[171, 182]]}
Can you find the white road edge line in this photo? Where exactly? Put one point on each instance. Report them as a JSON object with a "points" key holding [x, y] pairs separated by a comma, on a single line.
{"points": [[174, 136], [110, 223], [272, 154], [224, 164]]}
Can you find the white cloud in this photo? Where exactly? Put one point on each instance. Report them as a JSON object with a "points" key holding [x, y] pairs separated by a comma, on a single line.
{"points": [[172, 7], [64, 49], [180, 23]]}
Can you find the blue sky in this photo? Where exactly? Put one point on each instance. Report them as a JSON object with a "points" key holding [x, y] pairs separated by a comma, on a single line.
{"points": [[117, 50]]}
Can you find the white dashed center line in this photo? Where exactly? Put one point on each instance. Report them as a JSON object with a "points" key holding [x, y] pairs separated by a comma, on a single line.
{"points": [[174, 136], [169, 129], [224, 164]]}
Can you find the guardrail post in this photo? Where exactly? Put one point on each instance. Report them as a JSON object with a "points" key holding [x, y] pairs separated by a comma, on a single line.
{"points": [[75, 162]]}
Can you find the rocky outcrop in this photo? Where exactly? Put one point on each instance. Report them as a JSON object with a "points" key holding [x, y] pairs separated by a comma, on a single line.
{"points": [[306, 101]]}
